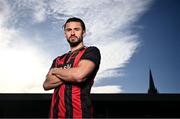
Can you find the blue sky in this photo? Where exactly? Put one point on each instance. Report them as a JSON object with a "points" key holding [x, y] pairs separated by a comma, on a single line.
{"points": [[132, 36], [159, 49]]}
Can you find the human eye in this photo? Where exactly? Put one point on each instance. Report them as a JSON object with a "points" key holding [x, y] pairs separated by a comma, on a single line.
{"points": [[68, 29], [76, 29]]}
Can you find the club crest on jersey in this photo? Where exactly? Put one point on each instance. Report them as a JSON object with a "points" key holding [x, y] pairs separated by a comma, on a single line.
{"points": [[65, 66]]}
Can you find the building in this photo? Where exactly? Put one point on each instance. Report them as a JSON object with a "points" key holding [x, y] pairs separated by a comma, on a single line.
{"points": [[151, 104], [152, 89]]}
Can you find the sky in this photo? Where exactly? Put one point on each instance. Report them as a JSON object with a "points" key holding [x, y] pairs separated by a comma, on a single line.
{"points": [[133, 36]]}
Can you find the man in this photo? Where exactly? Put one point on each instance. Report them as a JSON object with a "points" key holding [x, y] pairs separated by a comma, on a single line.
{"points": [[72, 74]]}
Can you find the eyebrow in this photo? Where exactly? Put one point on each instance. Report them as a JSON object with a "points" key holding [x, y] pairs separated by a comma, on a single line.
{"points": [[76, 28]]}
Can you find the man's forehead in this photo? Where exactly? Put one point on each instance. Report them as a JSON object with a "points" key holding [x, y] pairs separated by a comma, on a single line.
{"points": [[73, 23]]}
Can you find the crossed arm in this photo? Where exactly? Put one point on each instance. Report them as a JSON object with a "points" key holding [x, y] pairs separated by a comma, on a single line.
{"points": [[56, 76]]}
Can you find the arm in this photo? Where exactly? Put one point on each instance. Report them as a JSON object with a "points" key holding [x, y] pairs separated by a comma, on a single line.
{"points": [[51, 81], [76, 74]]}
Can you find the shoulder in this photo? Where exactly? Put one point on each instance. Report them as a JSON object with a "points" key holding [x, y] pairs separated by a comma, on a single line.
{"points": [[92, 53], [93, 49], [60, 57]]}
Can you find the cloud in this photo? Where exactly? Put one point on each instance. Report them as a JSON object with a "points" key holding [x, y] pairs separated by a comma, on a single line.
{"points": [[108, 27], [22, 65], [40, 11], [108, 24], [4, 12], [116, 55], [22, 12], [106, 89]]}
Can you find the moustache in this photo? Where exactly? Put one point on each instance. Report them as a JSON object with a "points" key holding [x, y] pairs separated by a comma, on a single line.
{"points": [[73, 37]]}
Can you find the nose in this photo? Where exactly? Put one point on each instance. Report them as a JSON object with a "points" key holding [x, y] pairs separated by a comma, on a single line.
{"points": [[72, 32]]}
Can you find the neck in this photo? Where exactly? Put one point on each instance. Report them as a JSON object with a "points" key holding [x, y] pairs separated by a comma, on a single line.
{"points": [[80, 45]]}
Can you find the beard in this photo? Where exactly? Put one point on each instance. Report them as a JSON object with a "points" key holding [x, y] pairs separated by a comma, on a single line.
{"points": [[73, 42]]}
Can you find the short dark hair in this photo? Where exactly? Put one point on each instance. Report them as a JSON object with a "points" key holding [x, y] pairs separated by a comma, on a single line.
{"points": [[75, 19]]}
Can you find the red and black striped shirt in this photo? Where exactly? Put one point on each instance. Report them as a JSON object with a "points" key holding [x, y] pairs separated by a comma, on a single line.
{"points": [[73, 100]]}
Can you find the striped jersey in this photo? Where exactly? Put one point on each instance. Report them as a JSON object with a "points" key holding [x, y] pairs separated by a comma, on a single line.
{"points": [[73, 100]]}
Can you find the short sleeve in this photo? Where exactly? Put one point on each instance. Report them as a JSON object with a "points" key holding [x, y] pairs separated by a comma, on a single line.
{"points": [[92, 53], [53, 64]]}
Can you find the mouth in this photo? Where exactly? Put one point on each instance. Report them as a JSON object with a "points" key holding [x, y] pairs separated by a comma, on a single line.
{"points": [[73, 37]]}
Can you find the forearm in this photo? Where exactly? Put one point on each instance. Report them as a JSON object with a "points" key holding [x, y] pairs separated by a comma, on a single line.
{"points": [[69, 75], [48, 86], [76, 74], [51, 82]]}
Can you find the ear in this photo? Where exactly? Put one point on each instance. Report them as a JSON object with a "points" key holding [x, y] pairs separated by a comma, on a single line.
{"points": [[84, 33], [64, 33]]}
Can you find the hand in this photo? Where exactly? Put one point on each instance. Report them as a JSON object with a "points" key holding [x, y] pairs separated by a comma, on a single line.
{"points": [[51, 82], [54, 70], [51, 78]]}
